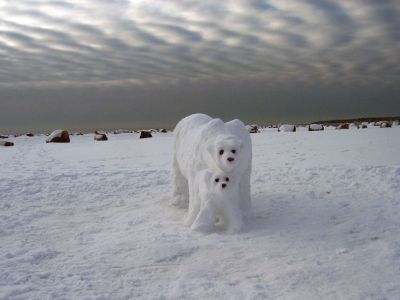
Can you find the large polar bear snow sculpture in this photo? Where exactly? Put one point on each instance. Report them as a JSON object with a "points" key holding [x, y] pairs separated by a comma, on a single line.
{"points": [[215, 197], [203, 143]]}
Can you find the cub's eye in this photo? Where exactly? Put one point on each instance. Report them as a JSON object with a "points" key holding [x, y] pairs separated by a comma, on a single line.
{"points": [[226, 179], [216, 179], [233, 151], [221, 152]]}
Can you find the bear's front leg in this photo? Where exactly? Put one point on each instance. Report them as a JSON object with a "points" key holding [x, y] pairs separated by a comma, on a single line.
{"points": [[245, 197], [233, 217]]}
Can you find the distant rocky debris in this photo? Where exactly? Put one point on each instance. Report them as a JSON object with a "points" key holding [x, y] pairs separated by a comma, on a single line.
{"points": [[100, 137], [287, 128], [385, 124], [353, 126], [6, 143], [162, 130], [315, 127], [143, 134], [58, 136], [29, 134], [343, 126], [119, 131], [367, 120], [3, 136]]}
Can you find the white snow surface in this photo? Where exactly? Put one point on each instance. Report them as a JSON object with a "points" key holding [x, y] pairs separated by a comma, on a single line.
{"points": [[89, 220]]}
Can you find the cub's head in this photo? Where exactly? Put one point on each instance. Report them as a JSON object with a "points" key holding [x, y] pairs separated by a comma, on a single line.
{"points": [[226, 152], [220, 182]]}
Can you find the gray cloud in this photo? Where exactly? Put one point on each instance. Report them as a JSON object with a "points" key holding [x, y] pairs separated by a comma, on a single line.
{"points": [[161, 41], [68, 44]]}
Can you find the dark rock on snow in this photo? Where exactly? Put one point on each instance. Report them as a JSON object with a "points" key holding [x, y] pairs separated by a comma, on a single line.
{"points": [[343, 126], [143, 134], [6, 143], [100, 137], [58, 136]]}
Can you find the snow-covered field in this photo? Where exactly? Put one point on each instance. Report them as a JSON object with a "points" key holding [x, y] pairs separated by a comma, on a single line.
{"points": [[90, 220]]}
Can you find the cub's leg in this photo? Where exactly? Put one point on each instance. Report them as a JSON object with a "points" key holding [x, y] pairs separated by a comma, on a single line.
{"points": [[194, 205], [205, 219]]}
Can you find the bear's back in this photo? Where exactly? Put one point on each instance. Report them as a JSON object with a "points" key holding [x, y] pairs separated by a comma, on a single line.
{"points": [[188, 135]]}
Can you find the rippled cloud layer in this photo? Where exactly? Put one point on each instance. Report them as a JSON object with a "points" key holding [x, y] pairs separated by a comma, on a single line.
{"points": [[137, 42]]}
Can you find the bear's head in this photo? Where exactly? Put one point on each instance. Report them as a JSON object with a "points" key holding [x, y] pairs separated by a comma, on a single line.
{"points": [[226, 152]]}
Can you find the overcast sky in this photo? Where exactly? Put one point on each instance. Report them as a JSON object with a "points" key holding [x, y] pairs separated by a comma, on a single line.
{"points": [[139, 63]]}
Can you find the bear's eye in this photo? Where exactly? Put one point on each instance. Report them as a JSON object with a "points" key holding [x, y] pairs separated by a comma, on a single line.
{"points": [[226, 179], [216, 179], [221, 152], [233, 151]]}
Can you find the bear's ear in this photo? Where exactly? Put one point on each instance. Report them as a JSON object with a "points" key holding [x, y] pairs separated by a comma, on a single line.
{"points": [[215, 123], [235, 123], [237, 127]]}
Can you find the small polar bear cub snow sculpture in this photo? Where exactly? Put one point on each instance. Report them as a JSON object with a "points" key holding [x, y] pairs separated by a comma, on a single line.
{"points": [[215, 203], [202, 143]]}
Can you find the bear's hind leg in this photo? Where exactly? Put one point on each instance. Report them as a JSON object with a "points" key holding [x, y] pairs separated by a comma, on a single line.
{"points": [[180, 193]]}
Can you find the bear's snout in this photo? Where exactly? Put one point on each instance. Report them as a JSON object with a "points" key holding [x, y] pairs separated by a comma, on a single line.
{"points": [[231, 159], [223, 185]]}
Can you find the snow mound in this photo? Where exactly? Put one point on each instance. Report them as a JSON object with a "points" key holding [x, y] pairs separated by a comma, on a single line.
{"points": [[315, 127], [287, 128]]}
